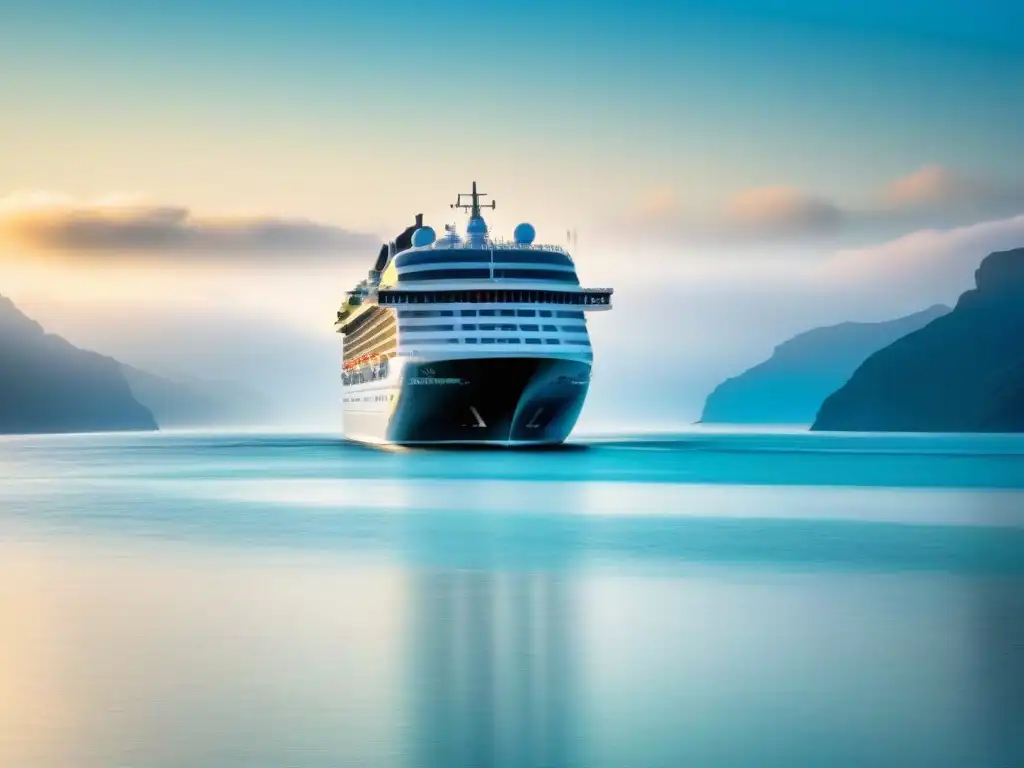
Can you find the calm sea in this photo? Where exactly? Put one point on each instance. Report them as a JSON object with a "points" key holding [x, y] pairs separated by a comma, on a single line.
{"points": [[701, 599]]}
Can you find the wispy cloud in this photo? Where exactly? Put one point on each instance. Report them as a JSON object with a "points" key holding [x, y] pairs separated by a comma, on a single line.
{"points": [[912, 271], [114, 225], [781, 211], [930, 185], [941, 188], [929, 197]]}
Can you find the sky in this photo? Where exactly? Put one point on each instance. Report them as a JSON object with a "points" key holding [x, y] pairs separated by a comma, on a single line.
{"points": [[239, 162]]}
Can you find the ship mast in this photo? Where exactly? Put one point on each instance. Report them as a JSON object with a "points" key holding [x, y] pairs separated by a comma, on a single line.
{"points": [[477, 227], [475, 206]]}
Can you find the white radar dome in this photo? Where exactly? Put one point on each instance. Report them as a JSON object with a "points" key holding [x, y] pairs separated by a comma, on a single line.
{"points": [[524, 234], [423, 236], [476, 226]]}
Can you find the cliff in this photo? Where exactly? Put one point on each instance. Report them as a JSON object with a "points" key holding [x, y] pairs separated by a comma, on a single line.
{"points": [[962, 373], [48, 385], [791, 385]]}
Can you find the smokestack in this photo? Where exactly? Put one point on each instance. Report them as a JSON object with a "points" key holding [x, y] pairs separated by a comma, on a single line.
{"points": [[419, 220]]}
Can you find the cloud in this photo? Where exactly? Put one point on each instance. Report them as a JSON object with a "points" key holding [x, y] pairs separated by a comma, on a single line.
{"points": [[939, 187], [932, 196], [917, 269], [116, 225], [929, 184], [655, 204], [751, 215], [782, 211]]}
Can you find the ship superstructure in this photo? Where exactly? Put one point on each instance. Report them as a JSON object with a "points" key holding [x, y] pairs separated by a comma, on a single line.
{"points": [[467, 339]]}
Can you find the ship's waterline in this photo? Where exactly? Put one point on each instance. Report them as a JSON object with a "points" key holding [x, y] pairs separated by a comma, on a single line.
{"points": [[467, 340]]}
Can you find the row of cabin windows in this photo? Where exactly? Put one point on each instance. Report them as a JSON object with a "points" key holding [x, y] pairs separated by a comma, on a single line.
{"points": [[485, 274], [363, 320], [378, 347], [369, 399], [418, 313], [413, 329], [384, 349], [575, 329], [474, 256], [372, 328], [473, 296], [373, 338], [505, 340]]}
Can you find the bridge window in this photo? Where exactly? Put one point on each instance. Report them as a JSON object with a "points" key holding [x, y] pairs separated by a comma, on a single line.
{"points": [[445, 274], [427, 328], [537, 274], [532, 257], [460, 256], [403, 313]]}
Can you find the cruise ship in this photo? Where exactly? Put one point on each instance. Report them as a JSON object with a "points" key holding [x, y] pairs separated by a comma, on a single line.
{"points": [[467, 339]]}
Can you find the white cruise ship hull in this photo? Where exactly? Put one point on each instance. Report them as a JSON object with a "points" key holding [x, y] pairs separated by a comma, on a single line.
{"points": [[508, 400]]}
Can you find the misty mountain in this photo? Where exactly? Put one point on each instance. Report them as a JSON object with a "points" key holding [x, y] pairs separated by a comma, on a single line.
{"points": [[962, 373], [791, 385], [49, 385], [195, 402], [265, 372]]}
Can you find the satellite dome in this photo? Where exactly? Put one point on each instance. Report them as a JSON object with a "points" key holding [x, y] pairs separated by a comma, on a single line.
{"points": [[476, 226], [524, 234], [422, 237]]}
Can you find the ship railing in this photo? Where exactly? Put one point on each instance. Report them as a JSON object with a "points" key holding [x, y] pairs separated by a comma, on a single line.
{"points": [[501, 245]]}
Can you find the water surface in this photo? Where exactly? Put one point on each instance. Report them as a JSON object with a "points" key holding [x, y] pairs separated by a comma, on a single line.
{"points": [[697, 599]]}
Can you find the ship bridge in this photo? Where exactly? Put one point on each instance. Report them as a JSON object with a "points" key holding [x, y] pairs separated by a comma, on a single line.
{"points": [[496, 261]]}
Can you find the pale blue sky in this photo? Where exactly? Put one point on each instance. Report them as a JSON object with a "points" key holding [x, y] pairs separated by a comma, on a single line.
{"points": [[358, 114]]}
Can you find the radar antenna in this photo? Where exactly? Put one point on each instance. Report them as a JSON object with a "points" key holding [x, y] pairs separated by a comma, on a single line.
{"points": [[475, 206]]}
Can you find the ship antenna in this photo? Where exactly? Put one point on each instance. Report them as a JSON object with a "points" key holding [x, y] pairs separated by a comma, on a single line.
{"points": [[474, 206]]}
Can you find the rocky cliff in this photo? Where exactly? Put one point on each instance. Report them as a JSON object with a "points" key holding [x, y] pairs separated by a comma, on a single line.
{"points": [[48, 385], [964, 372], [791, 385]]}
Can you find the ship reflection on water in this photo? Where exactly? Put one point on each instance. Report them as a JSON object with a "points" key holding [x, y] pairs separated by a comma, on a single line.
{"points": [[496, 663]]}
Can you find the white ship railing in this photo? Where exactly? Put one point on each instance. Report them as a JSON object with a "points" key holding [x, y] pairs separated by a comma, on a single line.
{"points": [[497, 245]]}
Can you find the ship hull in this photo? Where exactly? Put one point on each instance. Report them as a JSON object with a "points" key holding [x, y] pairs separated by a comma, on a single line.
{"points": [[510, 401]]}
